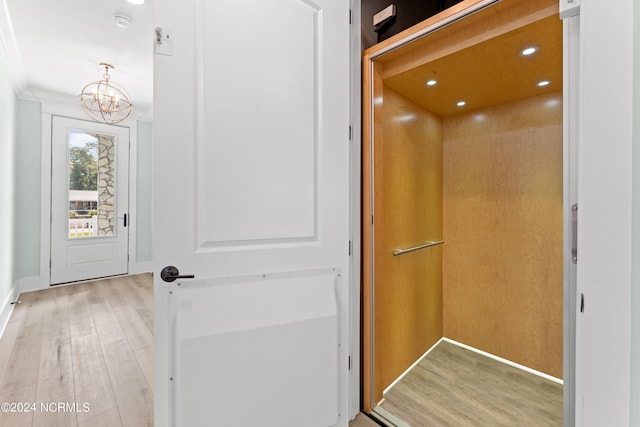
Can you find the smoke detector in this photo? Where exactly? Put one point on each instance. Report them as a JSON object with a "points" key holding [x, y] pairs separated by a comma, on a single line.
{"points": [[122, 21]]}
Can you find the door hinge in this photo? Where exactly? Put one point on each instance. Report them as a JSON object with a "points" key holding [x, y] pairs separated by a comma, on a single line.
{"points": [[581, 303]]}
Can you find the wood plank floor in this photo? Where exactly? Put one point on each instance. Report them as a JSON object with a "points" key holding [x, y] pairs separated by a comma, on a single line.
{"points": [[453, 386], [85, 343]]}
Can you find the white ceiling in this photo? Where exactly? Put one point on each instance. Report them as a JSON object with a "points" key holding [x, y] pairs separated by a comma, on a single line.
{"points": [[55, 46]]}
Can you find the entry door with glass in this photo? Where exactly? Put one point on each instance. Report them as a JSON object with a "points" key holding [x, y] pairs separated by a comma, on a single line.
{"points": [[89, 200]]}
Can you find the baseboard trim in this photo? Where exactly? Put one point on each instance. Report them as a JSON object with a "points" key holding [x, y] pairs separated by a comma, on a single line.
{"points": [[505, 361], [387, 418], [7, 308], [141, 267], [30, 284]]}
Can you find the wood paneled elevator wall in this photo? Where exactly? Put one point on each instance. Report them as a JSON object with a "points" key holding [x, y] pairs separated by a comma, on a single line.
{"points": [[502, 224]]}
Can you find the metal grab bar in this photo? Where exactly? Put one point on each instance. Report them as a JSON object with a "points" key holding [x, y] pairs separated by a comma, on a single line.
{"points": [[417, 248]]}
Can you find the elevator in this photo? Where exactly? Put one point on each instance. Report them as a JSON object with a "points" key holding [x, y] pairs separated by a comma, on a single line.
{"points": [[463, 184]]}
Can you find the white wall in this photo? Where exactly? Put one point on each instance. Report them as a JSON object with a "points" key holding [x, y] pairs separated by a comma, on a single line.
{"points": [[8, 194], [635, 283], [605, 177], [28, 188], [144, 196]]}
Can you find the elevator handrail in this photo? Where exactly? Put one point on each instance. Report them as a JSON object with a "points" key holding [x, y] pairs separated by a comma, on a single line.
{"points": [[417, 248]]}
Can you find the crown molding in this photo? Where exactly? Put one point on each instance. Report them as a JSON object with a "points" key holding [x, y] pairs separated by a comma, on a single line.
{"points": [[55, 102]]}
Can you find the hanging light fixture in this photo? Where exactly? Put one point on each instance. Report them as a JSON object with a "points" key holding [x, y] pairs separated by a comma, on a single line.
{"points": [[105, 100]]}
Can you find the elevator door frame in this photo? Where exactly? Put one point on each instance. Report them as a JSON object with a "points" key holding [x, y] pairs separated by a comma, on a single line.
{"points": [[371, 75]]}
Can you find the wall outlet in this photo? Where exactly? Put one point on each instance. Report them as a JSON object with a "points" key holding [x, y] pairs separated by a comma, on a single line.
{"points": [[384, 15]]}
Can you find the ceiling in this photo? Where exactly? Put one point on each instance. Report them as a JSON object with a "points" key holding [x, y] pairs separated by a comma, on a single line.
{"points": [[55, 47], [489, 73]]}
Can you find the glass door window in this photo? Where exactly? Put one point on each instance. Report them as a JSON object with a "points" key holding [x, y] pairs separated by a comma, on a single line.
{"points": [[92, 186]]}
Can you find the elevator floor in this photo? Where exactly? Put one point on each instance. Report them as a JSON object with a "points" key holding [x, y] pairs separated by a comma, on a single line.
{"points": [[453, 386]]}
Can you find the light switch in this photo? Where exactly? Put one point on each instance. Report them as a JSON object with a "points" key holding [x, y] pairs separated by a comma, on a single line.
{"points": [[163, 43]]}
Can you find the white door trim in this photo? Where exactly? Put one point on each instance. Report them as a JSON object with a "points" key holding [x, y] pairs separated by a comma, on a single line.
{"points": [[571, 32], [355, 220], [605, 128], [74, 112]]}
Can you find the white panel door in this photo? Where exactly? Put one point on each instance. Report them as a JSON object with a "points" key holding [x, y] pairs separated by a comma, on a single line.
{"points": [[251, 193], [89, 200]]}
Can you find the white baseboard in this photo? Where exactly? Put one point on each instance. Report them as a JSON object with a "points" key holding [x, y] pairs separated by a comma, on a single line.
{"points": [[7, 308], [505, 361], [29, 284]]}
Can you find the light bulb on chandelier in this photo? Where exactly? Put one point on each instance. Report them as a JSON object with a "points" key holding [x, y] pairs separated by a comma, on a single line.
{"points": [[105, 100]]}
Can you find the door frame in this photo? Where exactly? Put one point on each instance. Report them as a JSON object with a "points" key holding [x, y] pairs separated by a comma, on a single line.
{"points": [[61, 245], [355, 226], [64, 107], [571, 44], [371, 83]]}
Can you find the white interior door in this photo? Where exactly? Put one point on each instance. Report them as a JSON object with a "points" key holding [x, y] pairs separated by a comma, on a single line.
{"points": [[89, 200], [251, 178]]}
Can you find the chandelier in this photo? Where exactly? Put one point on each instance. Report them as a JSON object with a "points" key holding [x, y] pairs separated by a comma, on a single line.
{"points": [[105, 100]]}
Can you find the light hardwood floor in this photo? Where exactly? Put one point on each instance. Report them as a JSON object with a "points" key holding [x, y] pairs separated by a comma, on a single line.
{"points": [[85, 343], [453, 386]]}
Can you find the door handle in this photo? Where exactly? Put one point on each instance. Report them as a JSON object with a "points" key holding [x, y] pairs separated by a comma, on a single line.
{"points": [[125, 220], [171, 273], [574, 233]]}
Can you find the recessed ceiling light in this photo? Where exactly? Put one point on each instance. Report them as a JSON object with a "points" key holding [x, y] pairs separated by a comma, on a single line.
{"points": [[431, 82], [543, 83], [529, 51], [136, 1], [461, 103]]}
